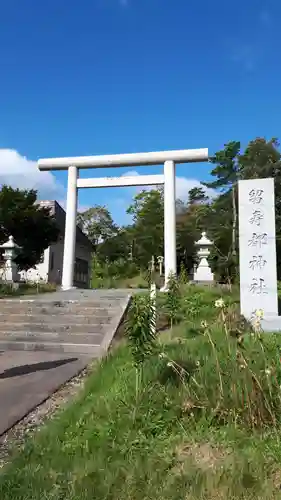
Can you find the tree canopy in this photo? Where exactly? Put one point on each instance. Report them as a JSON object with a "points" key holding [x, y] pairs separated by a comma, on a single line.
{"points": [[147, 231], [31, 225], [217, 215], [97, 224]]}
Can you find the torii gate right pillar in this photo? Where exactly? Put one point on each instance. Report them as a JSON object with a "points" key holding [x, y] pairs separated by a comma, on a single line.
{"points": [[170, 251]]}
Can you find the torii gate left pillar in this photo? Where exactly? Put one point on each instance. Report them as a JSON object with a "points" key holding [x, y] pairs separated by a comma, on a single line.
{"points": [[168, 158]]}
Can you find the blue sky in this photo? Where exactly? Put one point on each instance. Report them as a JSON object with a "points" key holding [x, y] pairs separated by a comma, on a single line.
{"points": [[120, 76]]}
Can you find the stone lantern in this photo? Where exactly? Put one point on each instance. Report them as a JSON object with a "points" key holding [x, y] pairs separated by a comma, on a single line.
{"points": [[203, 272], [9, 273]]}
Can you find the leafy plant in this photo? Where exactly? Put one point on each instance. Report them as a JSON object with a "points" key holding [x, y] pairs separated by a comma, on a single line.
{"points": [[173, 300], [183, 276], [139, 329]]}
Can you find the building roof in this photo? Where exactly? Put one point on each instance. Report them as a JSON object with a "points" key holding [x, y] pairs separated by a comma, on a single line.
{"points": [[59, 214]]}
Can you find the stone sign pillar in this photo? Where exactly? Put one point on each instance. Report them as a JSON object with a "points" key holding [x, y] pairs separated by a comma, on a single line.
{"points": [[257, 248]]}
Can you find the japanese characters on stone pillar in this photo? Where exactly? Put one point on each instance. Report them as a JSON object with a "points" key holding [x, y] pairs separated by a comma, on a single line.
{"points": [[257, 247]]}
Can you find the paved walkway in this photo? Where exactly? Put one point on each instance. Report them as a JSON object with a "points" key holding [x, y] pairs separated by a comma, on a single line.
{"points": [[29, 378]]}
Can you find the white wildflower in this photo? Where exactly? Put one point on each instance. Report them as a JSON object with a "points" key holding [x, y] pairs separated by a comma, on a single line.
{"points": [[267, 371], [259, 313], [219, 303], [256, 324], [197, 363]]}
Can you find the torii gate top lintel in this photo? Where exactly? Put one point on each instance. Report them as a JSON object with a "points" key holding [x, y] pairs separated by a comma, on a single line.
{"points": [[124, 160]]}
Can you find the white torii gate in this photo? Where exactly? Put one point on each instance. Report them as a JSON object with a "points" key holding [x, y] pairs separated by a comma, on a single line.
{"points": [[169, 158]]}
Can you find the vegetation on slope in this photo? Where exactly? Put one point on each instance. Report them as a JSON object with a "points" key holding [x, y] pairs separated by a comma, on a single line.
{"points": [[202, 422]]}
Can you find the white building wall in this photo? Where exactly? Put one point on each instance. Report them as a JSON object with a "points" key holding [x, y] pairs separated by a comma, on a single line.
{"points": [[39, 272], [50, 270]]}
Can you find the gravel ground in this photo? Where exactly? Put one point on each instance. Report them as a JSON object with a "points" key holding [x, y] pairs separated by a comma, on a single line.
{"points": [[14, 439]]}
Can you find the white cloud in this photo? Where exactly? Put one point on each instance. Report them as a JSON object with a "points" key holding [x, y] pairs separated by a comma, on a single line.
{"points": [[130, 173], [183, 186], [19, 172]]}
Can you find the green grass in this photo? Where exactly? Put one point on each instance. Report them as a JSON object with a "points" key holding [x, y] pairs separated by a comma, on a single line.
{"points": [[134, 282], [179, 438], [26, 289], [139, 281]]}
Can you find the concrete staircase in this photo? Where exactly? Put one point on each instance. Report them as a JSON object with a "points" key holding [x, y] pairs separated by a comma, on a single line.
{"points": [[77, 321]]}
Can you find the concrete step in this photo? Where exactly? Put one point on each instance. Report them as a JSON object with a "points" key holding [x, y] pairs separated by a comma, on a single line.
{"points": [[51, 299], [92, 350], [25, 335], [75, 296], [54, 319], [66, 308], [52, 328], [68, 322]]}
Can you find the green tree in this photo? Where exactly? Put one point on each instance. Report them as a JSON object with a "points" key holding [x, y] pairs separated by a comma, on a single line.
{"points": [[220, 226], [147, 230], [227, 173], [197, 195], [118, 246], [97, 224], [31, 225], [190, 223], [260, 159]]}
